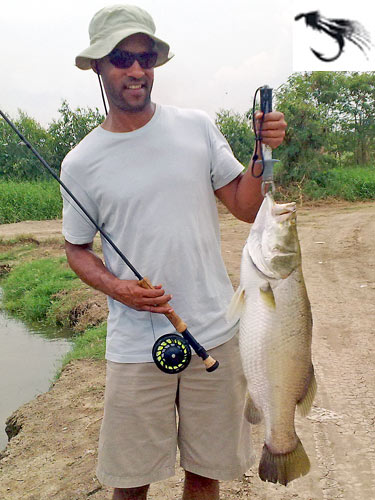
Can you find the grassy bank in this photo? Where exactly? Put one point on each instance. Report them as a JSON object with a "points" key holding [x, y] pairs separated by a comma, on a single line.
{"points": [[21, 201], [341, 183], [46, 291], [351, 184]]}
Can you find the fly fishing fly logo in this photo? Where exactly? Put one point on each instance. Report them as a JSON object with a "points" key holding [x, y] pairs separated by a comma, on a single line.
{"points": [[330, 42], [341, 30]]}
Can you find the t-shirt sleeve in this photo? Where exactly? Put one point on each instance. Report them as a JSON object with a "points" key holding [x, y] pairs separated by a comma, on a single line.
{"points": [[224, 166], [76, 228]]}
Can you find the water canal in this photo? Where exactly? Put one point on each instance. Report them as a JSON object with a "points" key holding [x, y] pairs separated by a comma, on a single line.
{"points": [[29, 360]]}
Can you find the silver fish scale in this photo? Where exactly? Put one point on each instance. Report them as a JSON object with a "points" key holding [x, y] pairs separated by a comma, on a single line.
{"points": [[275, 346]]}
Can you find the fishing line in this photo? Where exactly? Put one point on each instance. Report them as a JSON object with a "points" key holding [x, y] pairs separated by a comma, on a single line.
{"points": [[102, 91], [171, 353], [258, 139]]}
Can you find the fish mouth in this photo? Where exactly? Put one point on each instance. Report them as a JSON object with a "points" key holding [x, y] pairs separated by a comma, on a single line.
{"points": [[284, 211]]}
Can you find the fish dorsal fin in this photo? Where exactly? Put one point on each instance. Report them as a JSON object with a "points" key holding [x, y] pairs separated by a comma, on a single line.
{"points": [[236, 305]]}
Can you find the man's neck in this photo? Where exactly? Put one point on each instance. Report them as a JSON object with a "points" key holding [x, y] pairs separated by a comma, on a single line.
{"points": [[125, 121]]}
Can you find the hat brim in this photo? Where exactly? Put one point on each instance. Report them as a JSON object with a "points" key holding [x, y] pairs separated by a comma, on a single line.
{"points": [[101, 48]]}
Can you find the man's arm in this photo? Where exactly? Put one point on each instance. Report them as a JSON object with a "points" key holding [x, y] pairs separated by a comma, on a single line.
{"points": [[243, 195], [90, 269]]}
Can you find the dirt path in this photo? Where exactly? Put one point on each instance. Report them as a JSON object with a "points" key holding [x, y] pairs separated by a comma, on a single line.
{"points": [[53, 456]]}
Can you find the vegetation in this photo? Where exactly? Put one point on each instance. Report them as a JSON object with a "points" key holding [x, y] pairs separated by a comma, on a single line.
{"points": [[346, 183], [29, 200], [30, 289], [331, 123], [237, 130], [91, 344], [53, 142]]}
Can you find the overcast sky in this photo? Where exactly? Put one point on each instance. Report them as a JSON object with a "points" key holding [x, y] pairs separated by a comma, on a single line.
{"points": [[224, 50]]}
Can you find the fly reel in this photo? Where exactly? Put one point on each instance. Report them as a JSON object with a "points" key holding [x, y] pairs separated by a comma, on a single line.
{"points": [[171, 353]]}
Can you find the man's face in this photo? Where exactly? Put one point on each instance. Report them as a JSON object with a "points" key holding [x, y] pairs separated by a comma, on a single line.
{"points": [[129, 89]]}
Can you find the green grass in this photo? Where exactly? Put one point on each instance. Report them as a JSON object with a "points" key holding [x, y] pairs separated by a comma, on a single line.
{"points": [[16, 252], [352, 184], [28, 291], [88, 345], [21, 201]]}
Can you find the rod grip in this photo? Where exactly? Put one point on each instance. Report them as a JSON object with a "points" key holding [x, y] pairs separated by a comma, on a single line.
{"points": [[176, 321], [266, 99]]}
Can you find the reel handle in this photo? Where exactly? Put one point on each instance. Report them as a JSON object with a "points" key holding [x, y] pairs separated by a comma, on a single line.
{"points": [[210, 363], [176, 321]]}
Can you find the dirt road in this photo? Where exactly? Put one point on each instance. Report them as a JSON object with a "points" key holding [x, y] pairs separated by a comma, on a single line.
{"points": [[53, 456]]}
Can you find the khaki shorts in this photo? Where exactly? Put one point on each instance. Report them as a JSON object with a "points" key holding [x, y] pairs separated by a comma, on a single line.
{"points": [[140, 432]]}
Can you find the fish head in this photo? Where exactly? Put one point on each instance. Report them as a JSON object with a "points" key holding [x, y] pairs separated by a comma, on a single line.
{"points": [[273, 240]]}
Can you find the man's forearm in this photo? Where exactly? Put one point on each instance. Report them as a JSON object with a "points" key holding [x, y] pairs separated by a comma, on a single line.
{"points": [[242, 196], [248, 196], [90, 268]]}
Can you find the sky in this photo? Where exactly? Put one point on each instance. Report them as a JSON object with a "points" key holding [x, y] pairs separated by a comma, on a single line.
{"points": [[224, 50]]}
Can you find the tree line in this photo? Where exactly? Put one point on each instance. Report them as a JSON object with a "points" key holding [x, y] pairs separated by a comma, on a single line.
{"points": [[52, 142], [330, 116]]}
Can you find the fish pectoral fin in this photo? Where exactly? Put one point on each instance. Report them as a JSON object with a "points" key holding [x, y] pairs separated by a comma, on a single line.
{"points": [[267, 295], [252, 414], [236, 305], [305, 403], [283, 467]]}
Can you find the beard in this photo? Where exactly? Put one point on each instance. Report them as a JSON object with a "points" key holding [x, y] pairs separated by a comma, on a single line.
{"points": [[123, 100]]}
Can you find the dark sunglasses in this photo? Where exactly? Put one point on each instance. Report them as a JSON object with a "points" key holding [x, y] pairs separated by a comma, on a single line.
{"points": [[123, 59]]}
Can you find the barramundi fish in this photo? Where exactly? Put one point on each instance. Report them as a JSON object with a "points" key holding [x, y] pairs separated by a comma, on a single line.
{"points": [[275, 338]]}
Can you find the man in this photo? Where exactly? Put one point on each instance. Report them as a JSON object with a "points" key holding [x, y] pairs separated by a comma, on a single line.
{"points": [[149, 175]]}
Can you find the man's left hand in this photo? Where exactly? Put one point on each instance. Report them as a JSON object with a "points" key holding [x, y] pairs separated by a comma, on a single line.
{"points": [[273, 129]]}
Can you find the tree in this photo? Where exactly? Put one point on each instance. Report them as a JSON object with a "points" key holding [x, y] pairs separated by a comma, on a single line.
{"points": [[357, 106], [70, 129], [16, 161], [53, 143], [237, 131], [330, 122]]}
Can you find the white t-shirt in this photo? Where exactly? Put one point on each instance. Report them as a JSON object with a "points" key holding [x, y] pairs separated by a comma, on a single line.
{"points": [[152, 191]]}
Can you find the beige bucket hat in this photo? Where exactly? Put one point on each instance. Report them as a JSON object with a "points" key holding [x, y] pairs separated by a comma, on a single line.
{"points": [[111, 25]]}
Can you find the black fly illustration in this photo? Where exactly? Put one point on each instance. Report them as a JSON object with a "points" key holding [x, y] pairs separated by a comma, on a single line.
{"points": [[340, 30]]}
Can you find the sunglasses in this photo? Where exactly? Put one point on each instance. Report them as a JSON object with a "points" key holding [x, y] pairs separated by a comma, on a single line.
{"points": [[123, 59]]}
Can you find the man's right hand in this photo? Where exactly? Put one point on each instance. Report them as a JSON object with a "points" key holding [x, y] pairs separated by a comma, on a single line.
{"points": [[90, 268], [130, 293]]}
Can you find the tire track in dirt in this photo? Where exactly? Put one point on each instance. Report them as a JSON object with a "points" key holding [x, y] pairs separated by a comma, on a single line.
{"points": [[340, 277]]}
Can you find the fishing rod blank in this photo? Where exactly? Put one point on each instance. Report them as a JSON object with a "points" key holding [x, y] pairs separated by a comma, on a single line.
{"points": [[171, 353]]}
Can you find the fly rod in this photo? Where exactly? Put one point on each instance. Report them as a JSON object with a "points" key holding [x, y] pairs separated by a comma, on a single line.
{"points": [[171, 353]]}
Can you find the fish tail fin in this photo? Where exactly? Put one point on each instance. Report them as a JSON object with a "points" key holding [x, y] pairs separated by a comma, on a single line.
{"points": [[283, 468], [236, 305], [252, 414], [305, 403]]}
